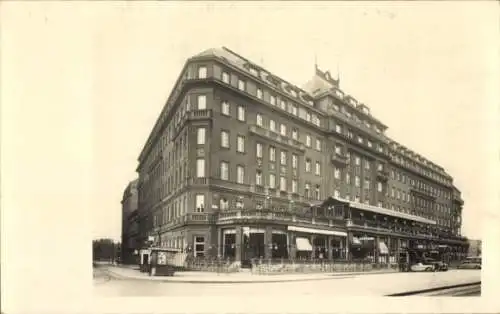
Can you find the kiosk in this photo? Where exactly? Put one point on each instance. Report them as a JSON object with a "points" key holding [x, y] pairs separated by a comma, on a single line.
{"points": [[165, 261]]}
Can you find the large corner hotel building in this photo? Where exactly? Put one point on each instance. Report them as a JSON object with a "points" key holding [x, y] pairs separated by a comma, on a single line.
{"points": [[242, 164]]}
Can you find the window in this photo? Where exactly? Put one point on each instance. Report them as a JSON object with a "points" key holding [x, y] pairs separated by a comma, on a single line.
{"points": [[283, 129], [200, 168], [367, 164], [356, 181], [272, 125], [370, 144], [360, 139], [307, 190], [318, 144], [240, 174], [225, 108], [200, 203], [379, 186], [367, 184], [348, 178], [308, 116], [199, 246], [318, 169], [241, 113], [393, 192], [200, 136], [338, 150], [272, 100], [283, 158], [337, 173], [259, 119], [294, 110], [240, 144], [295, 134], [308, 165], [224, 139], [225, 77], [318, 195], [336, 193], [202, 102], [259, 150], [294, 186], [259, 93], [338, 128], [283, 104], [223, 204], [202, 72], [357, 161], [295, 161], [282, 183], [308, 140], [380, 204], [224, 170], [272, 181], [241, 85], [380, 167], [258, 177], [239, 203], [272, 153]]}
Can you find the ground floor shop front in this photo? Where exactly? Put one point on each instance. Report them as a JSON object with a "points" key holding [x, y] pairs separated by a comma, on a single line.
{"points": [[247, 242]]}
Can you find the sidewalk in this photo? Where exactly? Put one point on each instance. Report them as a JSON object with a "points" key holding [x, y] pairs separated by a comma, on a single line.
{"points": [[133, 273]]}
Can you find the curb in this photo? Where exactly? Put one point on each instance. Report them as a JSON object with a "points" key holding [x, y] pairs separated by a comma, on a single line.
{"points": [[327, 277], [416, 292]]}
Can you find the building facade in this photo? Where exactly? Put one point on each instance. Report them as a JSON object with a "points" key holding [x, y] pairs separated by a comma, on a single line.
{"points": [[130, 223], [242, 164], [475, 248]]}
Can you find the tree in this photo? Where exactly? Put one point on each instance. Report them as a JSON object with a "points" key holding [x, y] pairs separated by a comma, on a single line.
{"points": [[105, 249]]}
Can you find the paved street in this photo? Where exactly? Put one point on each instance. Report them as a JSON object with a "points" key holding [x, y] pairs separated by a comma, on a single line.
{"points": [[353, 285]]}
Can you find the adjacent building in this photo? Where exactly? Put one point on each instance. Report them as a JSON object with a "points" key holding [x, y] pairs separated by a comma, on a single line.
{"points": [[475, 248], [243, 164], [130, 223]]}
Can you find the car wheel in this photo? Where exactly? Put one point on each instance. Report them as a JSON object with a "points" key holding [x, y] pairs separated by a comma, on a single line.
{"points": [[478, 267], [428, 269]]}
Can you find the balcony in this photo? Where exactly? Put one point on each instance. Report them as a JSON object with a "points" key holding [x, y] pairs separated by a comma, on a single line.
{"points": [[383, 175], [377, 226], [285, 217], [230, 185], [200, 114], [339, 159], [273, 136], [423, 193]]}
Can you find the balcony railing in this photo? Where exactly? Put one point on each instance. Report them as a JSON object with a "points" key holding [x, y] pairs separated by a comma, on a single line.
{"points": [[200, 114], [339, 159], [383, 175], [423, 192], [285, 140]]}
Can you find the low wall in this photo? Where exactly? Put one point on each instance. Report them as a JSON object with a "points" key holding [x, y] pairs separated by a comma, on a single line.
{"points": [[326, 267]]}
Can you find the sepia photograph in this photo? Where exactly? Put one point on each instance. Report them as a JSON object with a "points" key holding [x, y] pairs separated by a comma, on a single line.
{"points": [[247, 183], [262, 150]]}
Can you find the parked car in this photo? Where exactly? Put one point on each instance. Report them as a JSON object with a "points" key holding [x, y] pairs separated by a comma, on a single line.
{"points": [[471, 263], [438, 265], [422, 267]]}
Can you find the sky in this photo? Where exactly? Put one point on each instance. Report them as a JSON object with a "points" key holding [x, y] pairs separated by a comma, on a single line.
{"points": [[428, 70]]}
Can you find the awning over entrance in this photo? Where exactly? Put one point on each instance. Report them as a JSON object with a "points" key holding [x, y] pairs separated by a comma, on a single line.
{"points": [[382, 247], [303, 244], [317, 231]]}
